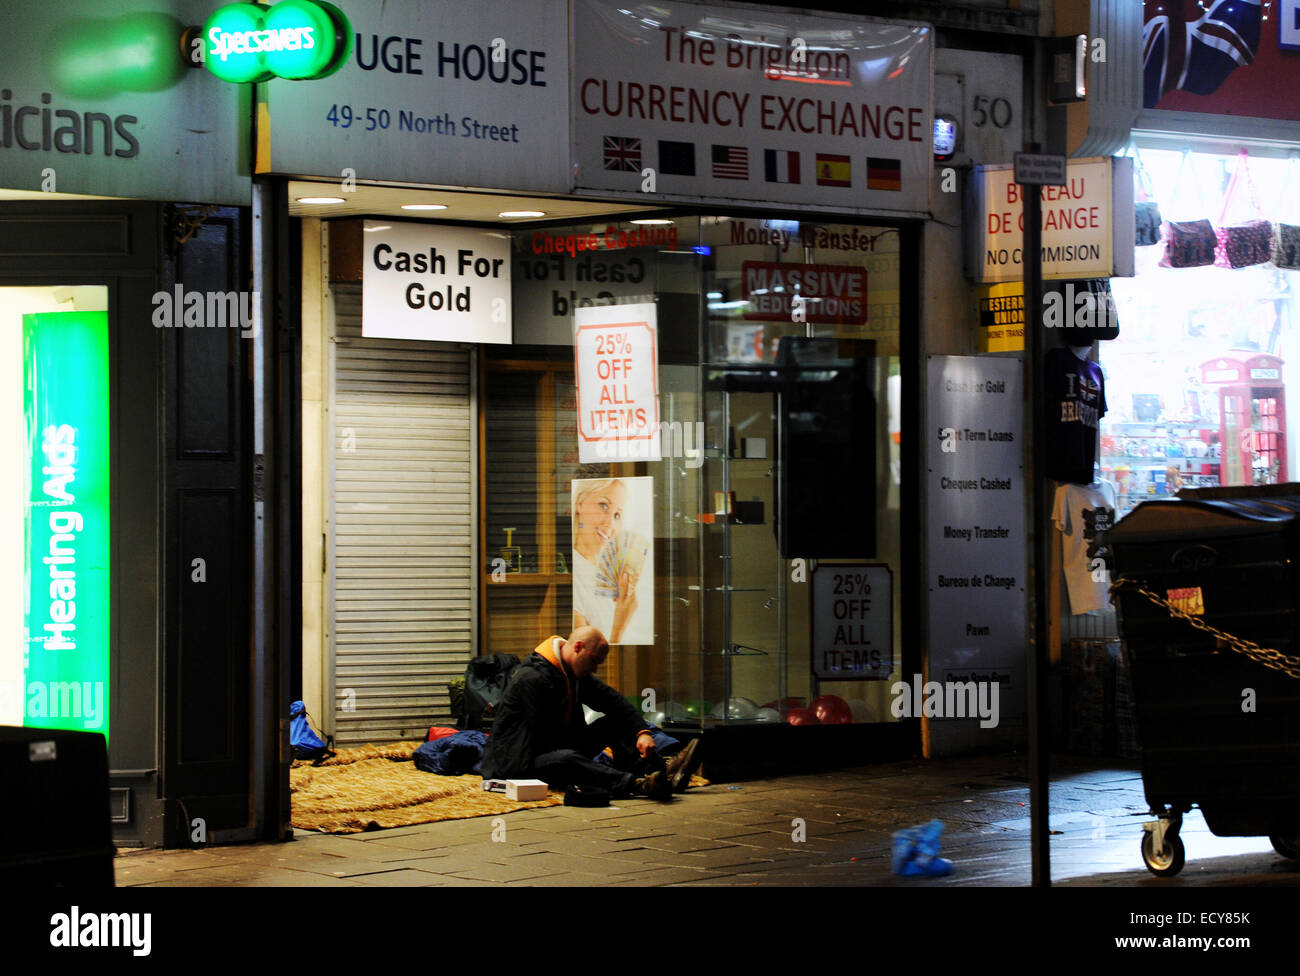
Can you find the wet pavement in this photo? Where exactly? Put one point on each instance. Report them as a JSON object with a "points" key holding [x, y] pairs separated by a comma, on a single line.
{"points": [[819, 829]]}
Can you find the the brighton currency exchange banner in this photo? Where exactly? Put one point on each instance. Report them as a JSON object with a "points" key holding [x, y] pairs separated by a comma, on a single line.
{"points": [[755, 104], [65, 394], [976, 539]]}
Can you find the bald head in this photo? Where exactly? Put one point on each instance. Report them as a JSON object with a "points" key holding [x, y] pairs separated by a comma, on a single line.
{"points": [[584, 651]]}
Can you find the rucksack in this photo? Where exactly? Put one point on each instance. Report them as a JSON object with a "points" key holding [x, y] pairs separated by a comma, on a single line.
{"points": [[306, 742], [486, 678]]}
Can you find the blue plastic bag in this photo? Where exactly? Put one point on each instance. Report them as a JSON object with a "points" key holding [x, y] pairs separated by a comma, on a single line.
{"points": [[916, 851], [303, 739]]}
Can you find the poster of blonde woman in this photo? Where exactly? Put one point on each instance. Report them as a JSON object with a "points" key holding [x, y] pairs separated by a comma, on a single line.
{"points": [[613, 557]]}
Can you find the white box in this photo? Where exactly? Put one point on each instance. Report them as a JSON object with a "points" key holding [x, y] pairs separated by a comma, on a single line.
{"points": [[525, 789]]}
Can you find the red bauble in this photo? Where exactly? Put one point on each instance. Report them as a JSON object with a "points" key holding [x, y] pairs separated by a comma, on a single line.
{"points": [[832, 710], [801, 716], [785, 705]]}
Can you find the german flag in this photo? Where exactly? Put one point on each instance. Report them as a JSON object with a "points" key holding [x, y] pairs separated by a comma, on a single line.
{"points": [[884, 174], [833, 170]]}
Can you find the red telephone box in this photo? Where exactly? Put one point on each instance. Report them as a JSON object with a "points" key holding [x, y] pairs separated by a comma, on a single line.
{"points": [[1252, 419]]}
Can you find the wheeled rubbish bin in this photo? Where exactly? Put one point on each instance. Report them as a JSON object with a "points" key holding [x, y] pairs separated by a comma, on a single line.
{"points": [[1219, 727]]}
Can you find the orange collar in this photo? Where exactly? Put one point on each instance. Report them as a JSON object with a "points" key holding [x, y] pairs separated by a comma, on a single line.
{"points": [[547, 650]]}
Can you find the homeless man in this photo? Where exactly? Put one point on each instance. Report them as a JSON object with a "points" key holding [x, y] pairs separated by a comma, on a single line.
{"points": [[541, 730]]}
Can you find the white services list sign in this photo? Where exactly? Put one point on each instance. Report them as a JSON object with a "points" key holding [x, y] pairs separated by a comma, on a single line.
{"points": [[976, 538]]}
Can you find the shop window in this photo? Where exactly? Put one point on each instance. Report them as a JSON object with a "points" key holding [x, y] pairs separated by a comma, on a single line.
{"points": [[732, 612], [1196, 382], [530, 457]]}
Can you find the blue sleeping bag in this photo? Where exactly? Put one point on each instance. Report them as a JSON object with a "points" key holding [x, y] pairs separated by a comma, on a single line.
{"points": [[452, 754]]}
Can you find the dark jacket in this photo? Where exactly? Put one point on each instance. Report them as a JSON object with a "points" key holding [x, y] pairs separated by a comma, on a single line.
{"points": [[541, 712]]}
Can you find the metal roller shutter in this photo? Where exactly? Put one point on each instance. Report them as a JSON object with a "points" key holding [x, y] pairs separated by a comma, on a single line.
{"points": [[403, 529]]}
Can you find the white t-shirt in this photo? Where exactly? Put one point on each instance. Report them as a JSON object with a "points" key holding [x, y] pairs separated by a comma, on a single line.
{"points": [[599, 610], [1081, 512]]}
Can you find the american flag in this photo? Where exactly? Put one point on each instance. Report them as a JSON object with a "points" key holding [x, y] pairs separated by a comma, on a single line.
{"points": [[730, 163], [621, 154]]}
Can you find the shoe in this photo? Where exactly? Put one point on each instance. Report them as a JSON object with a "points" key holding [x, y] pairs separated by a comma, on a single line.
{"points": [[656, 786], [683, 766]]}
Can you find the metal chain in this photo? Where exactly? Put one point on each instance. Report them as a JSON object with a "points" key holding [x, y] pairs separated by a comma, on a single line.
{"points": [[1266, 656]]}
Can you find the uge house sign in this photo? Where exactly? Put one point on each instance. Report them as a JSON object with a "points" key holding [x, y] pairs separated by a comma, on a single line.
{"points": [[433, 91]]}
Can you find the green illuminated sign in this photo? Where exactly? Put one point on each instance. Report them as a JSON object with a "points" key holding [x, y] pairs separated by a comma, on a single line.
{"points": [[295, 39], [65, 402]]}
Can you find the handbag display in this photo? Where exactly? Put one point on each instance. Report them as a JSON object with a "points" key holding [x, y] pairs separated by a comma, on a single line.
{"points": [[1250, 243], [1188, 243], [1284, 246], [1146, 210], [1147, 232]]}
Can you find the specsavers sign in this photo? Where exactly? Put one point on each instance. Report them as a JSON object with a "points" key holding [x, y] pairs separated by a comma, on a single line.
{"points": [[690, 102], [421, 281], [295, 39], [1082, 224]]}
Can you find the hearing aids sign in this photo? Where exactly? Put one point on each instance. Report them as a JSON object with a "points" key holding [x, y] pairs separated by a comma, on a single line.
{"points": [[450, 284]]}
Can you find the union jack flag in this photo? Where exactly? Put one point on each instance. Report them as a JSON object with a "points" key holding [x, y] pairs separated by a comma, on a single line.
{"points": [[623, 155], [1192, 48]]}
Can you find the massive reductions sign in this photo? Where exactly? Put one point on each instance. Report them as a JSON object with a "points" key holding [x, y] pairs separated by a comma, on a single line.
{"points": [[975, 505], [690, 102], [428, 281], [434, 92], [1081, 223]]}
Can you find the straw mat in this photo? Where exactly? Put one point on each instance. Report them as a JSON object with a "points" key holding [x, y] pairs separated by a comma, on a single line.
{"points": [[372, 787]]}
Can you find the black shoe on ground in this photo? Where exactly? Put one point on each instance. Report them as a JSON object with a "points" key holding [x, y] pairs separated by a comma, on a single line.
{"points": [[682, 766]]}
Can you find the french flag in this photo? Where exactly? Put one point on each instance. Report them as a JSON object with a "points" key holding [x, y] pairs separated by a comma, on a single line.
{"points": [[781, 166]]}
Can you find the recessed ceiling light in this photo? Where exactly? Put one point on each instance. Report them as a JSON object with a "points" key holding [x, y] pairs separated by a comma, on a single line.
{"points": [[651, 220], [521, 213], [423, 206], [320, 199]]}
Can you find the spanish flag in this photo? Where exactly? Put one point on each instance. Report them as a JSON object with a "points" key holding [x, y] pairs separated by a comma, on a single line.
{"points": [[833, 170]]}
